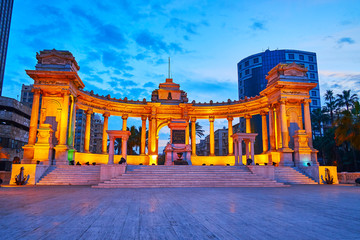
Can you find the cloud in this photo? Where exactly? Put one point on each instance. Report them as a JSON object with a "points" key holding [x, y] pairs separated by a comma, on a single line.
{"points": [[189, 27], [149, 85], [258, 25], [155, 43], [345, 40]]}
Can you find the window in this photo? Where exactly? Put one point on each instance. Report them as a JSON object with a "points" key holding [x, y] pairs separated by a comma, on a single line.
{"points": [[301, 57], [256, 60], [312, 75], [291, 56], [311, 67], [311, 58], [247, 71], [239, 66], [314, 102], [313, 93], [240, 75], [246, 63]]}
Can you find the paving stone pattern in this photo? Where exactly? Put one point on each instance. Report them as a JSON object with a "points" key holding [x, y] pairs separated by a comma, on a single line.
{"points": [[82, 212]]}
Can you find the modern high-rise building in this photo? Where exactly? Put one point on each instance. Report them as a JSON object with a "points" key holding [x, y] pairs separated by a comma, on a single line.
{"points": [[6, 7], [253, 69]]}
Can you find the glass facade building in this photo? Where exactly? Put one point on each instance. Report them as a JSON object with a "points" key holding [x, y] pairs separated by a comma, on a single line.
{"points": [[253, 69], [5, 19]]}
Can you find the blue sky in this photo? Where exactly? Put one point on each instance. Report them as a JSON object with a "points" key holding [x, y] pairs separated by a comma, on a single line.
{"points": [[122, 47]]}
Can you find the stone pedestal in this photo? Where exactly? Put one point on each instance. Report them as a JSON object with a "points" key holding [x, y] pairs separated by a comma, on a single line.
{"points": [[28, 154], [303, 152], [43, 147], [61, 155], [171, 151], [177, 142], [286, 158]]}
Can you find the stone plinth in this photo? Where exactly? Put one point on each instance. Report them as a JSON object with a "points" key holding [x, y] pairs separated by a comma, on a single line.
{"points": [[43, 146], [302, 156]]}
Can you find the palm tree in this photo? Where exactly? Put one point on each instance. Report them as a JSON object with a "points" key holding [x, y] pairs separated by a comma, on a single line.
{"points": [[330, 104], [346, 99], [198, 129], [134, 140], [318, 117], [348, 130]]}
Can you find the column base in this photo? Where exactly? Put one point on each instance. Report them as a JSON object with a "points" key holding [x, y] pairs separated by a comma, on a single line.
{"points": [[28, 154], [286, 158], [61, 155]]}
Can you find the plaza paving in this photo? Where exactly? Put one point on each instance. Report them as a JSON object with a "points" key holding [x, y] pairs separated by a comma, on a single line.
{"points": [[297, 212]]}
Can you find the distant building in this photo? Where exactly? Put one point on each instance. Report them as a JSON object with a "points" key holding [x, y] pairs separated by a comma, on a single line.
{"points": [[14, 126], [6, 7], [221, 143], [27, 95], [96, 128], [251, 79]]}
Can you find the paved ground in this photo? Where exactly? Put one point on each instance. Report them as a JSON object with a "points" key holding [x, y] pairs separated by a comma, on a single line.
{"points": [[297, 212]]}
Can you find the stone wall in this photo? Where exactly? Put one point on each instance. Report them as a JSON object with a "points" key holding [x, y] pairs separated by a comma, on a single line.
{"points": [[348, 177]]}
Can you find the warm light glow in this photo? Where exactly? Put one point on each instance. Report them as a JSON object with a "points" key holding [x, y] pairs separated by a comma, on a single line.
{"points": [[153, 159]]}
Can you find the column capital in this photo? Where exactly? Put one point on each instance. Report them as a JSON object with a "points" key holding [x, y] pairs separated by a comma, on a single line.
{"points": [[143, 118], [263, 113], [283, 101], [125, 117], [211, 118], [248, 116], [193, 119], [230, 118], [65, 91], [36, 90], [106, 114], [306, 101], [89, 111]]}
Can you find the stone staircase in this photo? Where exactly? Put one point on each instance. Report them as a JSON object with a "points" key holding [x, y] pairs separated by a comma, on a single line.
{"points": [[71, 175], [290, 175], [187, 176]]}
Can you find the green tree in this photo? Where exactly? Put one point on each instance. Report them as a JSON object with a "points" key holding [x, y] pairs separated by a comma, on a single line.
{"points": [[318, 118], [330, 103], [198, 129], [346, 99], [347, 132]]}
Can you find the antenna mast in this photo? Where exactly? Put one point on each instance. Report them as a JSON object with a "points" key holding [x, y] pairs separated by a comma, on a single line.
{"points": [[169, 68]]}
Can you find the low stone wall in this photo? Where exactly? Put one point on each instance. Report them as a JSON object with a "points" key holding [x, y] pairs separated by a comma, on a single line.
{"points": [[261, 159], [104, 158], [317, 173], [5, 176], [348, 177], [108, 172], [264, 171], [34, 171]]}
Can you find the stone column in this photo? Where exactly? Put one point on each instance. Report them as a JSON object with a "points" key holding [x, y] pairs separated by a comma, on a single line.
{"points": [[240, 151], [264, 132], [187, 134], [34, 117], [248, 125], [87, 130], [124, 123], [248, 128], [111, 150], [124, 147], [193, 136], [152, 137], [284, 128], [143, 135], [230, 139], [236, 152], [247, 149], [64, 119], [212, 139], [307, 121], [252, 152], [272, 129], [105, 136]]}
